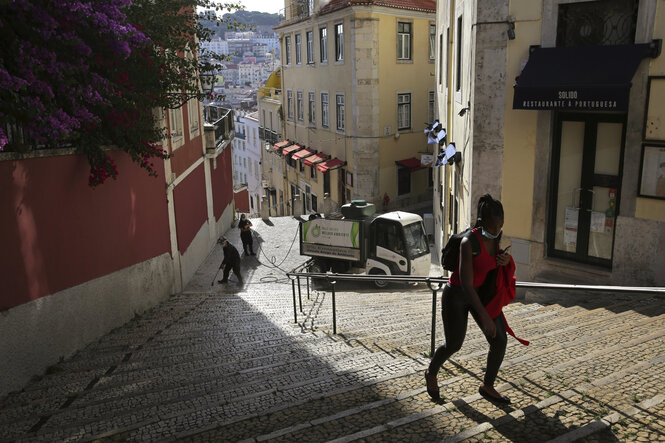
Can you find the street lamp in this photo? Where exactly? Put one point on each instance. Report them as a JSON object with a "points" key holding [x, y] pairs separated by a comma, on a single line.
{"points": [[207, 80]]}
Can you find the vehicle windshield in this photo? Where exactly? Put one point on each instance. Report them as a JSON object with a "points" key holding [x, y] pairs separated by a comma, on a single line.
{"points": [[416, 241]]}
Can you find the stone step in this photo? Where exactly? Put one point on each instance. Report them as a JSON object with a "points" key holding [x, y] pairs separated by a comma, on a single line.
{"points": [[215, 389], [471, 418], [644, 422], [409, 401]]}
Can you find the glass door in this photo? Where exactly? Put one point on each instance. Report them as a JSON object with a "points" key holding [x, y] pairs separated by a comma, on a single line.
{"points": [[586, 171]]}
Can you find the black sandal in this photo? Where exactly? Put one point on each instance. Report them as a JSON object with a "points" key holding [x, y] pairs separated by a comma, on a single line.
{"points": [[486, 395], [434, 394]]}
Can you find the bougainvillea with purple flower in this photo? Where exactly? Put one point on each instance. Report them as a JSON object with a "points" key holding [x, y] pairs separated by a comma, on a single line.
{"points": [[91, 73]]}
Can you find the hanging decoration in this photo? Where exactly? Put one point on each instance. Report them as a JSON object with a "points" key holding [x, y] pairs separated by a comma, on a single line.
{"points": [[435, 133], [446, 156]]}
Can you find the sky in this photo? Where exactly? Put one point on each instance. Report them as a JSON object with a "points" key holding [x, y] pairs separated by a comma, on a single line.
{"points": [[272, 6]]}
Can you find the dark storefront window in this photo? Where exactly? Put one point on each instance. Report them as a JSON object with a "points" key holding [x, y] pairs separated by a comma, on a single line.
{"points": [[598, 23]]}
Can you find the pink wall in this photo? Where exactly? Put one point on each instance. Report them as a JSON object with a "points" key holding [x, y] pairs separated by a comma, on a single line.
{"points": [[222, 182], [56, 232], [189, 201]]}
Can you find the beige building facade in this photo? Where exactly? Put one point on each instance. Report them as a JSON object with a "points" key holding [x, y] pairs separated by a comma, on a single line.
{"points": [[556, 106], [357, 87]]}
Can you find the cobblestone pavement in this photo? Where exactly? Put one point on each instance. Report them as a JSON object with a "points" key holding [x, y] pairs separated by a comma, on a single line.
{"points": [[229, 363]]}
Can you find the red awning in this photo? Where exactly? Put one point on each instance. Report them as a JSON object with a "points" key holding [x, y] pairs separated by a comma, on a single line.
{"points": [[412, 163], [289, 149], [303, 153], [317, 158], [330, 165], [280, 145]]}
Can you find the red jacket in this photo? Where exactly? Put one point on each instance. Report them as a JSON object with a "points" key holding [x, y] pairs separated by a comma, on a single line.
{"points": [[505, 293]]}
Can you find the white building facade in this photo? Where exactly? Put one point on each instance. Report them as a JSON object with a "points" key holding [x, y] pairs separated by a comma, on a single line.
{"points": [[247, 159]]}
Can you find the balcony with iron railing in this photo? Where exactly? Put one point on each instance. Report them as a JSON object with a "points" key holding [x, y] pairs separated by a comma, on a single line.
{"points": [[273, 93], [297, 10], [269, 136], [219, 128]]}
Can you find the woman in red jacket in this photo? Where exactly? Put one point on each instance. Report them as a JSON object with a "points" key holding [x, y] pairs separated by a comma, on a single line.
{"points": [[460, 296]]}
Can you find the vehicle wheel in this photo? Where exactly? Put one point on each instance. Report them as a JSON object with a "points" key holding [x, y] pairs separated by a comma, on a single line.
{"points": [[316, 268], [379, 283]]}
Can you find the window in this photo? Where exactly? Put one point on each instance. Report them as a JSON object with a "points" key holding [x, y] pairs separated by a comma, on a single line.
{"points": [[299, 105], [311, 115], [301, 166], [270, 120], [315, 206], [298, 49], [289, 104], [430, 107], [312, 172], [193, 115], [340, 111], [310, 48], [287, 49], [324, 109], [326, 184], [403, 41], [323, 45], [441, 58], [339, 42], [403, 180], [403, 111], [458, 63], [175, 120], [610, 22], [432, 41]]}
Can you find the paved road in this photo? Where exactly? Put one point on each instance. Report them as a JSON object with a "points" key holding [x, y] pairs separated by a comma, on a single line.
{"points": [[228, 363]]}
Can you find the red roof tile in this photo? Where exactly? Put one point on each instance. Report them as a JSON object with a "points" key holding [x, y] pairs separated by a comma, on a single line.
{"points": [[414, 5]]}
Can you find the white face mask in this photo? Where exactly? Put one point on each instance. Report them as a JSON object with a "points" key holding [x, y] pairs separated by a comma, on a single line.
{"points": [[490, 236]]}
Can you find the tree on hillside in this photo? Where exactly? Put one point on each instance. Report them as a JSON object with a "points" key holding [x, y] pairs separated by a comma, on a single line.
{"points": [[90, 74]]}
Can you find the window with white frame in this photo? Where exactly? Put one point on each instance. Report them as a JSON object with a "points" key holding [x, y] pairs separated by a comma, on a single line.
{"points": [[430, 107], [323, 45], [175, 120], [339, 42], [287, 49], [298, 49], [339, 114], [311, 114], [403, 111], [299, 105], [403, 41], [324, 110], [432, 41], [289, 104], [310, 47], [193, 115]]}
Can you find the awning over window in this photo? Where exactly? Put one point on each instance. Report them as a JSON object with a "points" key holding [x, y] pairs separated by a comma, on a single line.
{"points": [[329, 165], [290, 149], [317, 158], [278, 146], [584, 78], [303, 153], [412, 163]]}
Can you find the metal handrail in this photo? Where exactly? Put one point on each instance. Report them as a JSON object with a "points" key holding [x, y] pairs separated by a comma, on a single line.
{"points": [[435, 284]]}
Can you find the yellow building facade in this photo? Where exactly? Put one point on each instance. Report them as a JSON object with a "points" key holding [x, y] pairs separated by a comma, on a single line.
{"points": [[564, 125], [357, 87]]}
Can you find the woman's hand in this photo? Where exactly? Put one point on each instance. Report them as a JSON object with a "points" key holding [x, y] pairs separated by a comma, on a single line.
{"points": [[489, 328], [502, 259]]}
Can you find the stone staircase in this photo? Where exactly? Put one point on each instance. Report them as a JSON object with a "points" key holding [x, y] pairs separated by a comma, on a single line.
{"points": [[232, 365]]}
